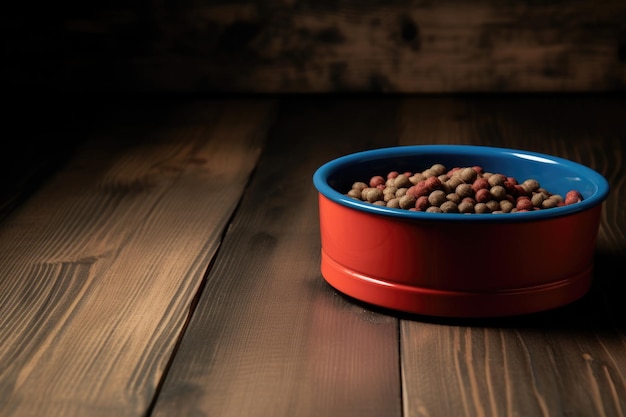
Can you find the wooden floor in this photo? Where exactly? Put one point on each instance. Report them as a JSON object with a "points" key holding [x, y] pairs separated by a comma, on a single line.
{"points": [[160, 257]]}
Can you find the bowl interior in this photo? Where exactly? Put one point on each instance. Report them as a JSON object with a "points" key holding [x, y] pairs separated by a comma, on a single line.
{"points": [[557, 175]]}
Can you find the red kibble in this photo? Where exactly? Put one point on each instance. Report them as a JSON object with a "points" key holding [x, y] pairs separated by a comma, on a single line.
{"points": [[573, 197], [520, 191], [392, 174], [418, 190], [482, 195], [377, 180], [480, 184], [509, 186], [421, 204], [432, 183], [524, 203]]}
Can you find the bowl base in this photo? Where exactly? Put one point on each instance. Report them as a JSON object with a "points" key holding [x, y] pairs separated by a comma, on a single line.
{"points": [[459, 304]]}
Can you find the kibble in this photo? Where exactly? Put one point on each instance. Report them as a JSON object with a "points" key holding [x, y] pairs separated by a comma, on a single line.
{"points": [[464, 190]]}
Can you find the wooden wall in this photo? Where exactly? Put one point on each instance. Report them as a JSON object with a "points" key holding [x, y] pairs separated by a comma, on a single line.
{"points": [[316, 46]]}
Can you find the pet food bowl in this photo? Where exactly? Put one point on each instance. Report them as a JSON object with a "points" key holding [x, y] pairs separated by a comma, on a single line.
{"points": [[453, 264]]}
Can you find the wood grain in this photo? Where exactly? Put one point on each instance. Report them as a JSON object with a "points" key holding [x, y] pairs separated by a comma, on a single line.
{"points": [[335, 46], [101, 266], [171, 267], [528, 365], [269, 337]]}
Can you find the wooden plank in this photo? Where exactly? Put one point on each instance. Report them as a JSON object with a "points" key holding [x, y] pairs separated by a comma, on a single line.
{"points": [[566, 362], [269, 337], [100, 267], [290, 47]]}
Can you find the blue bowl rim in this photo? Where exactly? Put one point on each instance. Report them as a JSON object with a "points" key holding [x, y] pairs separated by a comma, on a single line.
{"points": [[322, 173]]}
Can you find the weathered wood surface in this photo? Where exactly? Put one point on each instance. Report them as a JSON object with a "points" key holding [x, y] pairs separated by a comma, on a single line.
{"points": [[171, 267], [303, 47], [269, 338], [100, 268], [566, 362]]}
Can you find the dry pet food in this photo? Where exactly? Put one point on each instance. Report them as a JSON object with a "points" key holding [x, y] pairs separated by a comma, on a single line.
{"points": [[458, 190]]}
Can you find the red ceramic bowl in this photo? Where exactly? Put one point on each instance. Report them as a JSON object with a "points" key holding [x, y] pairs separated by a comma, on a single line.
{"points": [[452, 264]]}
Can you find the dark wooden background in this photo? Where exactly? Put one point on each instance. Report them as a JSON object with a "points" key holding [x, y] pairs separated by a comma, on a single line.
{"points": [[300, 46]]}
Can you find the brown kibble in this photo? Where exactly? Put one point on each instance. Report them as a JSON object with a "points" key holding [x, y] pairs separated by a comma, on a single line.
{"points": [[466, 207], [433, 209], [481, 208], [493, 205], [455, 198], [407, 201], [427, 173], [468, 175], [530, 185], [438, 168], [497, 191], [437, 197], [388, 195], [549, 203], [464, 190], [393, 203], [390, 190], [496, 179], [400, 192], [537, 199], [416, 178], [449, 207], [354, 194], [359, 185], [454, 182], [372, 194], [506, 206], [402, 181]]}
